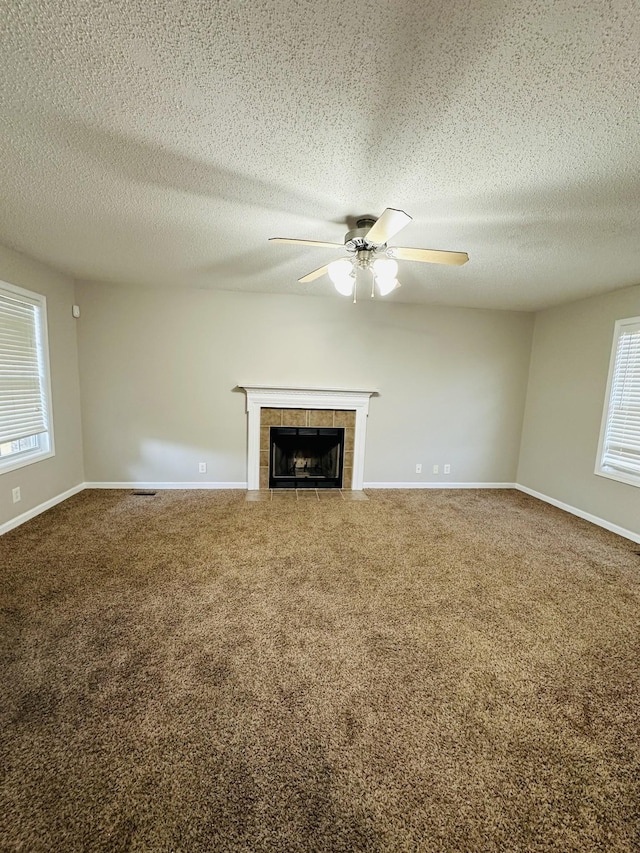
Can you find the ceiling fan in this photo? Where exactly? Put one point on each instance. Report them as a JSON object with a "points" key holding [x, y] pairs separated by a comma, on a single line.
{"points": [[367, 245]]}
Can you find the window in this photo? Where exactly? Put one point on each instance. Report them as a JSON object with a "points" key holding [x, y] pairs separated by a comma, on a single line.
{"points": [[25, 396], [619, 448]]}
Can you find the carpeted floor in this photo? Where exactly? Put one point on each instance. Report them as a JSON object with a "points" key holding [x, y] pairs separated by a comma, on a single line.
{"points": [[423, 671]]}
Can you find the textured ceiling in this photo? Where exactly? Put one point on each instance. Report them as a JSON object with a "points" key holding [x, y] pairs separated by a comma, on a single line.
{"points": [[163, 142]]}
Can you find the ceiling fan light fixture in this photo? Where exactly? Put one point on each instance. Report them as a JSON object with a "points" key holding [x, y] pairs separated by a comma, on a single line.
{"points": [[342, 275], [365, 244]]}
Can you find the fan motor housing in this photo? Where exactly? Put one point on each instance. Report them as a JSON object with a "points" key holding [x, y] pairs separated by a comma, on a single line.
{"points": [[355, 240]]}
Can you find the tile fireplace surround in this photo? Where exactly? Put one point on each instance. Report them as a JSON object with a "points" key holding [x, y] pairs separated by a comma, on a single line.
{"points": [[305, 400]]}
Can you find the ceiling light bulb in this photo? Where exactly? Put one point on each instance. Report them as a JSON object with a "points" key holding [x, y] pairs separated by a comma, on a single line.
{"points": [[385, 268], [342, 275], [386, 285]]}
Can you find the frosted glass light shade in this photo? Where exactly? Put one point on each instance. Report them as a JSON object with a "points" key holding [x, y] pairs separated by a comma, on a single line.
{"points": [[339, 270], [342, 275], [385, 268], [386, 285], [344, 286]]}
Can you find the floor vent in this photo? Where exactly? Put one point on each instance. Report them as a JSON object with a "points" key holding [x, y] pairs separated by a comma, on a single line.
{"points": [[144, 493]]}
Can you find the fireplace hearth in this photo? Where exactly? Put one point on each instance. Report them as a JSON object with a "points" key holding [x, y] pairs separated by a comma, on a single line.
{"points": [[306, 457]]}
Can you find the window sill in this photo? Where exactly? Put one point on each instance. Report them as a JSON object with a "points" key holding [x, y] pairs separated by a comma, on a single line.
{"points": [[25, 459], [629, 479]]}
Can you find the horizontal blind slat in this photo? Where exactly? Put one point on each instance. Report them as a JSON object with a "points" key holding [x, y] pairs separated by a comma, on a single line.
{"points": [[22, 399], [621, 446]]}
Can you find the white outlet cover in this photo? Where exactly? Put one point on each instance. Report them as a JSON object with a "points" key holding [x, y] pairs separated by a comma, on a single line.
{"points": [[202, 468], [436, 469]]}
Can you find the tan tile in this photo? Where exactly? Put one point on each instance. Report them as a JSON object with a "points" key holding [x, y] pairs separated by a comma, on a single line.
{"points": [[348, 459], [307, 495], [344, 419], [347, 478], [353, 495], [264, 478], [270, 417], [294, 417], [265, 437], [284, 495], [348, 440], [329, 494], [254, 496], [264, 458], [321, 417]]}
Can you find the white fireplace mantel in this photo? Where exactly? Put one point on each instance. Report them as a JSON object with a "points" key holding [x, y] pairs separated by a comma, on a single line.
{"points": [[278, 397]]}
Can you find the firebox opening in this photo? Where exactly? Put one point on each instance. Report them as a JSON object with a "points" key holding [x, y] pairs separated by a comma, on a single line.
{"points": [[306, 457]]}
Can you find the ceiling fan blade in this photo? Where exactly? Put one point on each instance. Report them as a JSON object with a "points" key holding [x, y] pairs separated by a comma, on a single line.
{"points": [[428, 256], [387, 225], [312, 276], [306, 242]]}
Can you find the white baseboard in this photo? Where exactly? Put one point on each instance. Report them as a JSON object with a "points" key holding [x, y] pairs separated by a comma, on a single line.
{"points": [[31, 513], [196, 485], [422, 485], [587, 516]]}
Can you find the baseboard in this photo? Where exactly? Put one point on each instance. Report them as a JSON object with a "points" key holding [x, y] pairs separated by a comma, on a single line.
{"points": [[432, 485], [587, 516], [43, 507], [196, 485]]}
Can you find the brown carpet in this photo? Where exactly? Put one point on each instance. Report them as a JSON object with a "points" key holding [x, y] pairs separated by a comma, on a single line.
{"points": [[425, 671]]}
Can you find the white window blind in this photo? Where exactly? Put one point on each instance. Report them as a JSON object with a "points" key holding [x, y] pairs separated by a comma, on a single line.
{"points": [[23, 397], [621, 437]]}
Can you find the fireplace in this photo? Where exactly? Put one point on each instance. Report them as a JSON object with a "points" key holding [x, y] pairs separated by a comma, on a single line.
{"points": [[306, 457], [275, 406]]}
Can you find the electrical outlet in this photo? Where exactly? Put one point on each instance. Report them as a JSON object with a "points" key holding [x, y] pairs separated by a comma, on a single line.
{"points": [[419, 468], [16, 494], [436, 469], [202, 468], [447, 469]]}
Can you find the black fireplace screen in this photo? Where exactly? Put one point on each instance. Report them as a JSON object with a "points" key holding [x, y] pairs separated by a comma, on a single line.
{"points": [[306, 457]]}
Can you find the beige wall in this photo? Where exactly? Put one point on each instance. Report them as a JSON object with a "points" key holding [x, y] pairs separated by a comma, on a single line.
{"points": [[567, 383], [158, 369], [44, 480]]}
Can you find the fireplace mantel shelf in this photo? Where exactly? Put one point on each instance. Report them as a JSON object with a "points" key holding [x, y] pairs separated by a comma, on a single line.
{"points": [[303, 390], [283, 397]]}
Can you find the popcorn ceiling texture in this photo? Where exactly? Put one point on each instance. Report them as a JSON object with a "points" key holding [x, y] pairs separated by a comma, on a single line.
{"points": [[162, 143]]}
